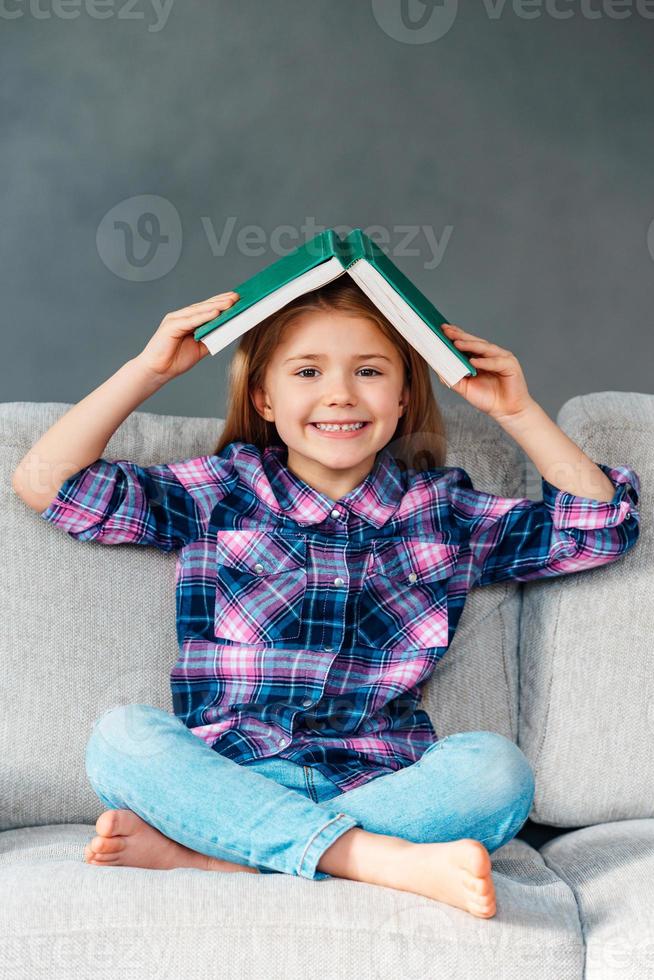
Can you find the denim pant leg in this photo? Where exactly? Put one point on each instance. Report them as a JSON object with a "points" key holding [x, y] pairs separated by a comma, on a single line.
{"points": [[468, 784], [144, 759], [302, 778]]}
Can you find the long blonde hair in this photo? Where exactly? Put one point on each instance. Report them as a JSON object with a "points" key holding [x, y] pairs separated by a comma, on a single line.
{"points": [[419, 440]]}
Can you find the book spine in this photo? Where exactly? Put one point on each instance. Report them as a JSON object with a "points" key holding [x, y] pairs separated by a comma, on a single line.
{"points": [[357, 248], [343, 252]]}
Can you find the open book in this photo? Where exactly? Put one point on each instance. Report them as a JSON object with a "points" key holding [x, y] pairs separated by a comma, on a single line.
{"points": [[317, 262]]}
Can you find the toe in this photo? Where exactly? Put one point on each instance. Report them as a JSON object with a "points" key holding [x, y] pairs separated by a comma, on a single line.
{"points": [[90, 857], [489, 911], [107, 845], [478, 861], [476, 886], [104, 859], [483, 906], [483, 909], [107, 823]]}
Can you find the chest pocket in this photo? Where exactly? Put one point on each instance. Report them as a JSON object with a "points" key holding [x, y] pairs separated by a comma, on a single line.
{"points": [[261, 581], [403, 601]]}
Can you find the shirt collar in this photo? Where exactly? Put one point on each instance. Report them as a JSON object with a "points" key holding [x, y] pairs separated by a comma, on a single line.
{"points": [[375, 499]]}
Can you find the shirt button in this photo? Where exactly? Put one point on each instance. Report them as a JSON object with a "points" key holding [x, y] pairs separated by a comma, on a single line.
{"points": [[336, 512], [338, 580], [306, 702], [328, 649], [281, 741], [412, 576], [258, 567]]}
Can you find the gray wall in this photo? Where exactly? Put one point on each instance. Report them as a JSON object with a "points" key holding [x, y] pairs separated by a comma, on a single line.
{"points": [[519, 140]]}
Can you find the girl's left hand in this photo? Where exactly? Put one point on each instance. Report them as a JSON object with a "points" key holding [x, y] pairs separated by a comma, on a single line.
{"points": [[499, 389]]}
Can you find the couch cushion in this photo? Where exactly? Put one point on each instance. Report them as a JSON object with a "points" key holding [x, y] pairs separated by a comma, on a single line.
{"points": [[586, 679], [610, 868], [86, 626], [82, 920]]}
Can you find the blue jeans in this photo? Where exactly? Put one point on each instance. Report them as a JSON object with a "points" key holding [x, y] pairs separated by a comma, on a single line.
{"points": [[278, 816]]}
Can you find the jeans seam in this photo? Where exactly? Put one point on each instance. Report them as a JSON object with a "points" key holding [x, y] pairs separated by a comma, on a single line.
{"points": [[418, 764], [308, 776]]}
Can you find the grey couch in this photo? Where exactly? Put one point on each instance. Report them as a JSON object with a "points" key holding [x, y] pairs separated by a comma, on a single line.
{"points": [[563, 666]]}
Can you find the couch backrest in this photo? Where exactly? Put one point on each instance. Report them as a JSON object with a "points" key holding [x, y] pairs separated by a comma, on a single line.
{"points": [[86, 626], [587, 645]]}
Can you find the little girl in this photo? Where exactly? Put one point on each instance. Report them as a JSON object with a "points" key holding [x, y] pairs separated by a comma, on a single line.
{"points": [[319, 581]]}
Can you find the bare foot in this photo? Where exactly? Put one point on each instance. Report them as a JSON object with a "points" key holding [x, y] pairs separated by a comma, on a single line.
{"points": [[455, 872], [124, 839]]}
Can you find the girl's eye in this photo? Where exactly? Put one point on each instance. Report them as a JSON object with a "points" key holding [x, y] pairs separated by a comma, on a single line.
{"points": [[301, 372]]}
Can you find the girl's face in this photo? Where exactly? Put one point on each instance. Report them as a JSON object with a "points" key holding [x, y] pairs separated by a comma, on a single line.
{"points": [[333, 367]]}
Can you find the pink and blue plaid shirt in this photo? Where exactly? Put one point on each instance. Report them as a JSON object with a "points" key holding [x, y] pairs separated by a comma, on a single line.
{"points": [[307, 626]]}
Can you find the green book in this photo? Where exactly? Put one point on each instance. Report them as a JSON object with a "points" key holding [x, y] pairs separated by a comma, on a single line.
{"points": [[317, 262]]}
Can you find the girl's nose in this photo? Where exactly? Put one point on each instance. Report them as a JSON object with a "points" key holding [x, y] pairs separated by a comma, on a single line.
{"points": [[341, 393]]}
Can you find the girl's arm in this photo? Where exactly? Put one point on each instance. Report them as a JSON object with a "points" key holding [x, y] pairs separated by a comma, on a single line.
{"points": [[80, 436], [558, 459], [500, 391], [589, 512]]}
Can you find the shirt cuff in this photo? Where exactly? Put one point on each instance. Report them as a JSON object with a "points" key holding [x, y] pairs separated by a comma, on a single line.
{"points": [[82, 500], [571, 511]]}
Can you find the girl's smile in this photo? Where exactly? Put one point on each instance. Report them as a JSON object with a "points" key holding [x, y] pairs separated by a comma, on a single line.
{"points": [[337, 432]]}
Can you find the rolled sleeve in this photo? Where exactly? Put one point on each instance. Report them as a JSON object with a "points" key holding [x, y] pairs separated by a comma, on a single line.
{"points": [[584, 513], [120, 502], [522, 539]]}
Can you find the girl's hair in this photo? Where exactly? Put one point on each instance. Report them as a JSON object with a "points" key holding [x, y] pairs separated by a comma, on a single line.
{"points": [[419, 440]]}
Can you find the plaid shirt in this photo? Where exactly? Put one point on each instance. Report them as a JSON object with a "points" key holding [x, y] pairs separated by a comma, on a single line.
{"points": [[307, 626]]}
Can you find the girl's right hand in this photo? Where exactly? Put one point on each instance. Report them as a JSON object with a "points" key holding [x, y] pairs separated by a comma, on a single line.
{"points": [[173, 350]]}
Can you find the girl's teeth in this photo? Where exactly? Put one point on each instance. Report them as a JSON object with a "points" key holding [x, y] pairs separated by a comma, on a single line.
{"points": [[336, 428]]}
